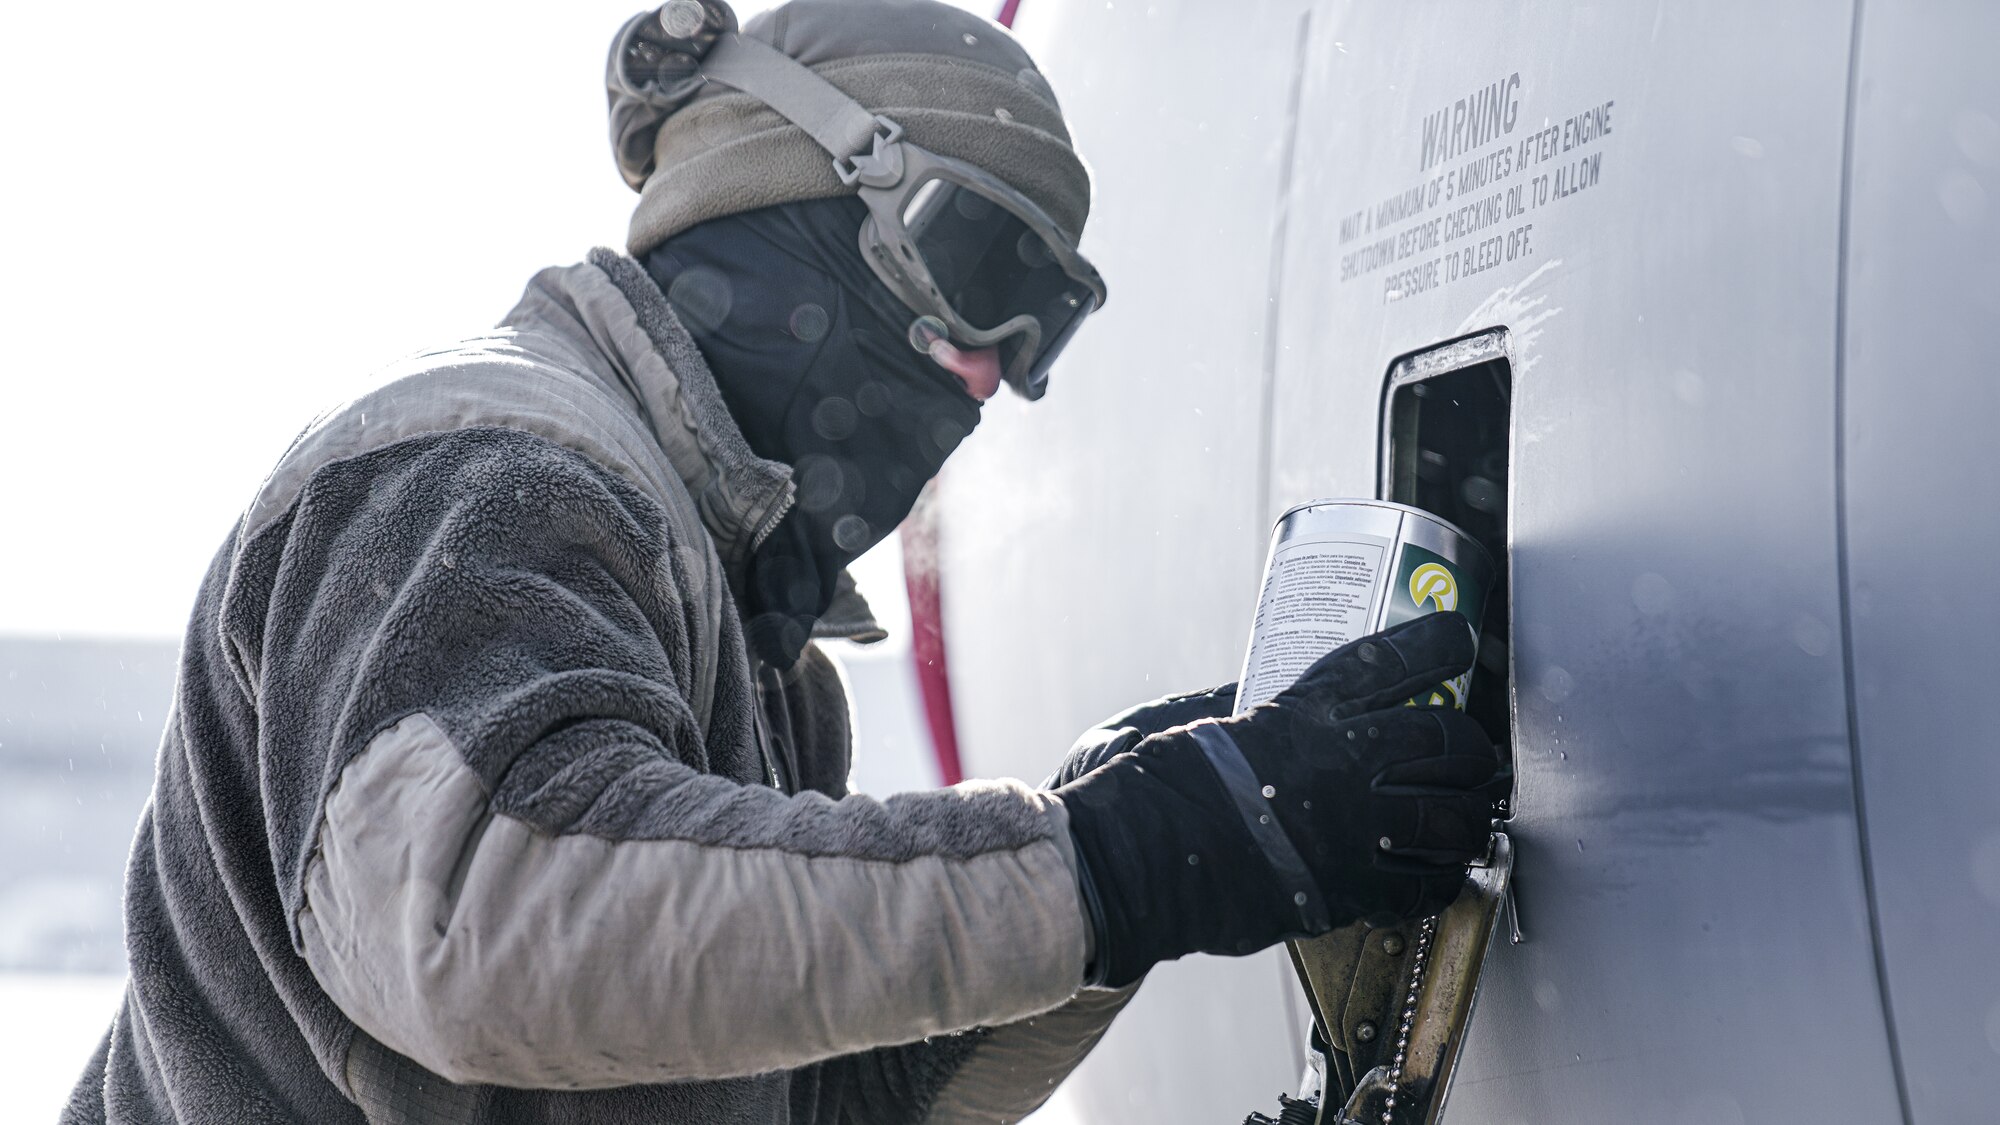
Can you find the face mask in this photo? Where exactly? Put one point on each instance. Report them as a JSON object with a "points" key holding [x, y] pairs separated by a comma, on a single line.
{"points": [[812, 355]]}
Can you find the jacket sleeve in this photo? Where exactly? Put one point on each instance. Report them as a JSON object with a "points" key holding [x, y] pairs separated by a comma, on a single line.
{"points": [[494, 820], [987, 1076], [1016, 1067], [996, 1075]]}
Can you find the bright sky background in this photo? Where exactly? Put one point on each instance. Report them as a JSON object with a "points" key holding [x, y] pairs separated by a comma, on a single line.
{"points": [[218, 218]]}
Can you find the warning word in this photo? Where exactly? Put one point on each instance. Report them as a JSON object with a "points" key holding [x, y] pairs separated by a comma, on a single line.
{"points": [[1471, 216], [1471, 121]]}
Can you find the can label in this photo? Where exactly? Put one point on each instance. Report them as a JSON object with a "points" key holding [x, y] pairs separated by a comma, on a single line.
{"points": [[1331, 580], [1318, 595]]}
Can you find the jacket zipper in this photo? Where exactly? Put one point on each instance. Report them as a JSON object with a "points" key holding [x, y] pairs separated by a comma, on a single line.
{"points": [[770, 522]]}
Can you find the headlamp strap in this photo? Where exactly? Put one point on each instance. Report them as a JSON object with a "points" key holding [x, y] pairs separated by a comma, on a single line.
{"points": [[866, 147]]}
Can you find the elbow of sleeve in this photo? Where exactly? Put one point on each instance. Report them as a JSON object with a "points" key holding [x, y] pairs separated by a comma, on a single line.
{"points": [[471, 989], [489, 952], [408, 931], [375, 977], [393, 970]]}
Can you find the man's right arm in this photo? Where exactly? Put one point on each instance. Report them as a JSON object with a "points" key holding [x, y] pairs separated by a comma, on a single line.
{"points": [[496, 826]]}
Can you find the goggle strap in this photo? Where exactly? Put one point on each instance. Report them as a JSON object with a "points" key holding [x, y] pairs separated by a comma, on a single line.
{"points": [[838, 123]]}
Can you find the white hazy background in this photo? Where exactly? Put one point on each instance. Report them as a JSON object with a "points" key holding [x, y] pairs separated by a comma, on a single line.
{"points": [[221, 217], [218, 219]]}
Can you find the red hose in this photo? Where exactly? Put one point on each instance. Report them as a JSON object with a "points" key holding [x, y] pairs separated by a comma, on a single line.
{"points": [[920, 578]]}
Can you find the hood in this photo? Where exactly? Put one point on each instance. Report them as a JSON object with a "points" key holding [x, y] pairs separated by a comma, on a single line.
{"points": [[611, 321]]}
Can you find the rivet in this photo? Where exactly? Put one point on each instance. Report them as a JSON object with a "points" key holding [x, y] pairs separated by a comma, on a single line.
{"points": [[682, 19], [1392, 944], [1384, 843], [1365, 1031]]}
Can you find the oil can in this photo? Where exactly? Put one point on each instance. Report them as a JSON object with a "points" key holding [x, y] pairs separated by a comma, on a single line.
{"points": [[1342, 569]]}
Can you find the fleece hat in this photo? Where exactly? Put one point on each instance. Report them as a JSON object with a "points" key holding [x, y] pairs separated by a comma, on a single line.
{"points": [[959, 85]]}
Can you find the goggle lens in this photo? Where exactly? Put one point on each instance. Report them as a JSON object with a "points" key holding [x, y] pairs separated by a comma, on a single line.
{"points": [[1055, 337], [991, 267]]}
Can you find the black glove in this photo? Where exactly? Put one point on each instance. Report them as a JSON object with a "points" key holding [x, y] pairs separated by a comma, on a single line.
{"points": [[1334, 802], [1122, 732]]}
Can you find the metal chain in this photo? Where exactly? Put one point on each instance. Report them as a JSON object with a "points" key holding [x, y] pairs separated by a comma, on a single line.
{"points": [[1417, 961]]}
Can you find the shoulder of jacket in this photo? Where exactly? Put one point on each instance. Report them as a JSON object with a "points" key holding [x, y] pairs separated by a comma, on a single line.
{"points": [[508, 379]]}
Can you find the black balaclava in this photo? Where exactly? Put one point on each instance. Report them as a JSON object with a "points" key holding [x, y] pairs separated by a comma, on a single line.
{"points": [[812, 354]]}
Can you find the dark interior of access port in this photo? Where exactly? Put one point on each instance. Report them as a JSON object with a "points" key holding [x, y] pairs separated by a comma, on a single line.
{"points": [[1447, 453]]}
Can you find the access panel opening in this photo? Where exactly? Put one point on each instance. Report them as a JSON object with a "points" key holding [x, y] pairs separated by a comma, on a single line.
{"points": [[1446, 428], [1447, 416]]}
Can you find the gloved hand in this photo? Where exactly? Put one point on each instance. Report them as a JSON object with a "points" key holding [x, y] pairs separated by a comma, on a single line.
{"points": [[1334, 802], [1123, 731]]}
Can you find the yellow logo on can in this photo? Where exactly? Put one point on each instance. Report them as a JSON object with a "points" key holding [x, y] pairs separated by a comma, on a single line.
{"points": [[1433, 583]]}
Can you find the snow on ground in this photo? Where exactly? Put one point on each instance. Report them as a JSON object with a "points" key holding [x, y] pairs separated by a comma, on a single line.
{"points": [[53, 1023]]}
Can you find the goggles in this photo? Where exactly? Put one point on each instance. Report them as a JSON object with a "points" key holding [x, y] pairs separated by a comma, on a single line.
{"points": [[952, 241]]}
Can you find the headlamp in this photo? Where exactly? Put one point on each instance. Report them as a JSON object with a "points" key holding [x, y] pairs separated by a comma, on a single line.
{"points": [[950, 240]]}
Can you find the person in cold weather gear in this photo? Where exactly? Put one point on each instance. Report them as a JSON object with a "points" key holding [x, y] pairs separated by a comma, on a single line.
{"points": [[505, 780]]}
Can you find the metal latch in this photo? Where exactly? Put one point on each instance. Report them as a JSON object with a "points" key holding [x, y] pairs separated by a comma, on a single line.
{"points": [[1391, 1005]]}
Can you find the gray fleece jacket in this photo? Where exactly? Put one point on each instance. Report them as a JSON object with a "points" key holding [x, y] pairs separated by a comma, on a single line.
{"points": [[473, 805]]}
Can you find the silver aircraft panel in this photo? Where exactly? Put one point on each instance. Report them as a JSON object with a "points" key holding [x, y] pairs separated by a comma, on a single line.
{"points": [[1698, 940], [1923, 532], [1102, 546]]}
